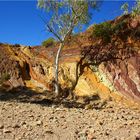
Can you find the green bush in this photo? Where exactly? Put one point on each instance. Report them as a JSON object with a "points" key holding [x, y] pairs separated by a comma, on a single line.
{"points": [[4, 77], [106, 30], [103, 31], [119, 26], [49, 42]]}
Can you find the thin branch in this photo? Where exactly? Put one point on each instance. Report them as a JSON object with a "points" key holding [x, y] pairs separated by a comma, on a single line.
{"points": [[53, 32], [50, 29]]}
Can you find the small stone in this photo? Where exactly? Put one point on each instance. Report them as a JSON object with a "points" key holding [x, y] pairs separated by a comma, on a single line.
{"points": [[130, 117], [131, 122], [49, 131], [62, 116], [64, 127], [51, 118], [1, 126], [76, 132], [91, 136], [6, 131], [116, 117], [106, 133], [23, 123], [58, 109], [138, 136], [38, 122], [30, 115], [90, 126], [16, 126], [101, 123]]}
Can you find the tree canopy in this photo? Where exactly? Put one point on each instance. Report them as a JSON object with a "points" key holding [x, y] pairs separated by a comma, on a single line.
{"points": [[65, 15]]}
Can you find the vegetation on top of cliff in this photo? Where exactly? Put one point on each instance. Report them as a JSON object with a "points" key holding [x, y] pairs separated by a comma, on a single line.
{"points": [[49, 42], [105, 30], [16, 45]]}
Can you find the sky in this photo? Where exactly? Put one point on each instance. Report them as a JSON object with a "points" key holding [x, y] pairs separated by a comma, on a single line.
{"points": [[20, 21]]}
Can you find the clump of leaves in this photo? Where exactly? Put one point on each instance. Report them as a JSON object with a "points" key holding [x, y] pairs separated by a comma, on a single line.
{"points": [[106, 30], [4, 77], [124, 7], [103, 31], [119, 26], [49, 42], [136, 9]]}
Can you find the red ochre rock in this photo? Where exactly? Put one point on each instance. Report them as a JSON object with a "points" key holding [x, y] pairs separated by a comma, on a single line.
{"points": [[119, 79]]}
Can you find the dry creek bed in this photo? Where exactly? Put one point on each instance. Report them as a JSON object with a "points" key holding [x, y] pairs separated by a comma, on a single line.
{"points": [[29, 121]]}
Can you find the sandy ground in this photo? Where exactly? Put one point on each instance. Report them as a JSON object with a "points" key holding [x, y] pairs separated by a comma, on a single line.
{"points": [[30, 121]]}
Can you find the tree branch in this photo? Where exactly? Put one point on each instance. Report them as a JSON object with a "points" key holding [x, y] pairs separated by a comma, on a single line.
{"points": [[53, 32]]}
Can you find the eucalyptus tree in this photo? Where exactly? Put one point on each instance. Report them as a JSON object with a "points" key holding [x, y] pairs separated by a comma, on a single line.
{"points": [[63, 17], [135, 8], [125, 7]]}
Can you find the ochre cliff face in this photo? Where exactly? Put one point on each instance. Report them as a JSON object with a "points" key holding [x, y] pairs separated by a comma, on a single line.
{"points": [[125, 77], [10, 65], [117, 77]]}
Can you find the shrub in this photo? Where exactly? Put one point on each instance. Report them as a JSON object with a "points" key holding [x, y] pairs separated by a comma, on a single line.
{"points": [[4, 77], [119, 26], [16, 45], [106, 30], [103, 31], [49, 42]]}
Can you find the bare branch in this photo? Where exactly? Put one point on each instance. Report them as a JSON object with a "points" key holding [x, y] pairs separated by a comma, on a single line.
{"points": [[53, 32]]}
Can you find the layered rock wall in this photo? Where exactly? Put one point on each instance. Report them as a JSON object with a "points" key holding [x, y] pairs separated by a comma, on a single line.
{"points": [[116, 77]]}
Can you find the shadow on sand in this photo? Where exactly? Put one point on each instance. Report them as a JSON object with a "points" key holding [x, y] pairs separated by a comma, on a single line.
{"points": [[27, 95]]}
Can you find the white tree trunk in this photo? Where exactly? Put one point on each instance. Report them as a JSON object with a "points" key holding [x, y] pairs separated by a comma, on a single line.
{"points": [[57, 69]]}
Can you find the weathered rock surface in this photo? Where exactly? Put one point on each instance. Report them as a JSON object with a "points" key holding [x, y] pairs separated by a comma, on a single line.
{"points": [[117, 74]]}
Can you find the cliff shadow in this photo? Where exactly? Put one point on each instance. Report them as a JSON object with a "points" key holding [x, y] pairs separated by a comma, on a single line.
{"points": [[106, 54], [48, 99], [26, 72]]}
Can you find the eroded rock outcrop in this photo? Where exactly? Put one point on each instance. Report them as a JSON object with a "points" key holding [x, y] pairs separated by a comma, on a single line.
{"points": [[87, 64], [10, 66]]}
